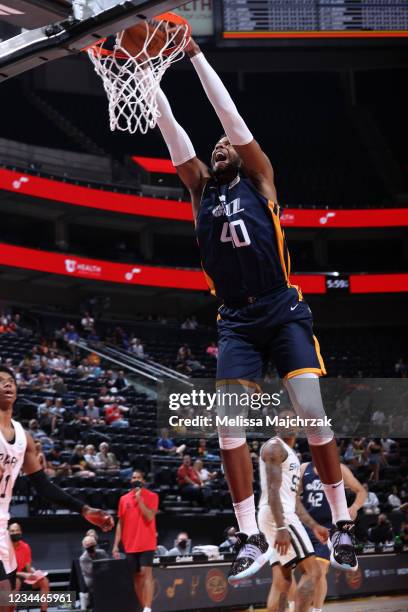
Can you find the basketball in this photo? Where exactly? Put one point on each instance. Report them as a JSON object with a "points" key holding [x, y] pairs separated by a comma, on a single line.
{"points": [[134, 38]]}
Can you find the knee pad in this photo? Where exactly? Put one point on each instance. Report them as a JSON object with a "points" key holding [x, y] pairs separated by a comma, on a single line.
{"points": [[232, 404], [306, 398]]}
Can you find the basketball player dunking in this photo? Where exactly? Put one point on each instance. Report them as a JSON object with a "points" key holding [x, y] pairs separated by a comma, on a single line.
{"points": [[17, 452], [247, 265]]}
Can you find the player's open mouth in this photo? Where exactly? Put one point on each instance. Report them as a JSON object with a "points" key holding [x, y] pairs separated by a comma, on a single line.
{"points": [[220, 156]]}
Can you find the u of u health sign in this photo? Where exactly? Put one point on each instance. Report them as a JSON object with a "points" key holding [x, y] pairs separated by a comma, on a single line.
{"points": [[188, 586], [179, 278]]}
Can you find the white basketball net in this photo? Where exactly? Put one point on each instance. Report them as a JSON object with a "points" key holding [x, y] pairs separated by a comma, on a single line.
{"points": [[132, 83]]}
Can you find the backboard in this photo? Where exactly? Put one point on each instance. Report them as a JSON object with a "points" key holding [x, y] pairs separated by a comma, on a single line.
{"points": [[51, 29]]}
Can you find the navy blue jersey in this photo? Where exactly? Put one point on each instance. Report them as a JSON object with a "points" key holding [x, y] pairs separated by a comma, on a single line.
{"points": [[243, 249], [313, 497]]}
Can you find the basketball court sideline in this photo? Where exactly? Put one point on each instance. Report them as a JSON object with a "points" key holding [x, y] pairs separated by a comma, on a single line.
{"points": [[369, 604]]}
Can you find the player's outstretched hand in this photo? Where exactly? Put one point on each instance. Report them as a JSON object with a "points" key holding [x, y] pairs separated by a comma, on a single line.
{"points": [[321, 533], [97, 517]]}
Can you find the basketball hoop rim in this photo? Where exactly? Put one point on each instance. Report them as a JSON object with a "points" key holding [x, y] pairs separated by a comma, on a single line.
{"points": [[172, 18]]}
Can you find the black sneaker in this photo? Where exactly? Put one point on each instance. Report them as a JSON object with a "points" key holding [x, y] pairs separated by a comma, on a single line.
{"points": [[251, 554], [342, 546]]}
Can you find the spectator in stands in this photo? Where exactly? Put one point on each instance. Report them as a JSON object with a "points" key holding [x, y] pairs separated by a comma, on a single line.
{"points": [[182, 546], [404, 533], [390, 447], [189, 480], [92, 462], [44, 414], [161, 551], [371, 504], [91, 553], [56, 463], [71, 337], [377, 419], [58, 385], [87, 323], [111, 463], [212, 350], [166, 444], [394, 499], [205, 475], [254, 451], [186, 361], [400, 368], [79, 464], [137, 348], [58, 414], [136, 529], [203, 452], [382, 532], [26, 574], [92, 412], [39, 434], [230, 540], [121, 382], [114, 415], [41, 382], [109, 379], [189, 323], [107, 398], [375, 458]]}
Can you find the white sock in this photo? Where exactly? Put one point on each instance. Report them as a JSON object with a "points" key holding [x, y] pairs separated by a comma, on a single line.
{"points": [[246, 515], [317, 609], [147, 609], [336, 496]]}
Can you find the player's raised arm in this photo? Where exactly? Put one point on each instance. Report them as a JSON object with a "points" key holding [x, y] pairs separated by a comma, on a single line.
{"points": [[48, 490], [193, 172], [255, 162]]}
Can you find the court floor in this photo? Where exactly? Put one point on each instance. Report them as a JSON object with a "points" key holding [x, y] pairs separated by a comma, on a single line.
{"points": [[369, 604]]}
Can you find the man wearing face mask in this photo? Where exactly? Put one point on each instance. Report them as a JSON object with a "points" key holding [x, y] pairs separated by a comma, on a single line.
{"points": [[91, 553], [231, 538], [26, 574], [182, 546], [136, 529]]}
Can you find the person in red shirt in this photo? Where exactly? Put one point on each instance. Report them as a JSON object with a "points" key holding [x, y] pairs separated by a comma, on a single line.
{"points": [[136, 529], [25, 571], [189, 481], [114, 415]]}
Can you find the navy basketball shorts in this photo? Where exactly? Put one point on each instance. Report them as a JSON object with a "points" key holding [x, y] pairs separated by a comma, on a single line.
{"points": [[277, 326], [322, 551]]}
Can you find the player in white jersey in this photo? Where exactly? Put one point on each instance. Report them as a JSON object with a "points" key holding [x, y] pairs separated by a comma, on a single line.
{"points": [[280, 518], [17, 452]]}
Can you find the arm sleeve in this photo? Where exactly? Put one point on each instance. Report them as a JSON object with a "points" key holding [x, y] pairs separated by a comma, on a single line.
{"points": [[48, 490], [235, 127], [176, 138]]}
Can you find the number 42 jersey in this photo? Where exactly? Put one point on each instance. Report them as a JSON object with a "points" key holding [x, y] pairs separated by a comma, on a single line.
{"points": [[242, 245]]}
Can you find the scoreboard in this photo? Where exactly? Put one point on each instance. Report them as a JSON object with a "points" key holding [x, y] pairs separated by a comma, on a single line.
{"points": [[246, 19]]}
